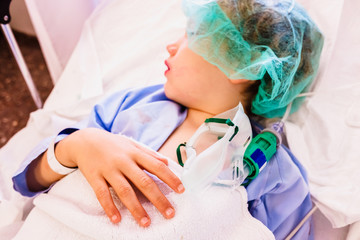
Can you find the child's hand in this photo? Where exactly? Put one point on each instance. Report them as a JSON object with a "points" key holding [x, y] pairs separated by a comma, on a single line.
{"points": [[106, 159]]}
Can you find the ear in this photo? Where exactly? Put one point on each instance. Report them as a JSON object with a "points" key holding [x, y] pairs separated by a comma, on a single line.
{"points": [[239, 81]]}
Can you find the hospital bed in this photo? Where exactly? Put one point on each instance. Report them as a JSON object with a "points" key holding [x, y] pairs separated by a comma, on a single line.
{"points": [[92, 60]]}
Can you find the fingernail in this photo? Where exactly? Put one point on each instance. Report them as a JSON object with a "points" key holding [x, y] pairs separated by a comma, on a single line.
{"points": [[169, 212], [114, 218], [181, 188], [144, 221]]}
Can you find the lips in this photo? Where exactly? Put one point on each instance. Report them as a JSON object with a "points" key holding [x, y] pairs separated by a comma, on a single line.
{"points": [[167, 64]]}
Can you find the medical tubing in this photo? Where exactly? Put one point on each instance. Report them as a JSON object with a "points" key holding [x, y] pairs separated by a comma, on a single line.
{"points": [[296, 229], [310, 94], [277, 129], [338, 88], [287, 112], [240, 173]]}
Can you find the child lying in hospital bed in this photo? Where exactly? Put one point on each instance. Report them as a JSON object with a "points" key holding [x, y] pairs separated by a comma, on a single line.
{"points": [[224, 89]]}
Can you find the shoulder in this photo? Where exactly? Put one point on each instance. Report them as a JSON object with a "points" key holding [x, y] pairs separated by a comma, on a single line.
{"points": [[290, 171], [139, 93], [126, 98], [282, 173]]}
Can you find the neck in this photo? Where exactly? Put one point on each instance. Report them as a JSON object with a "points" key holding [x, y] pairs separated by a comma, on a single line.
{"points": [[196, 117], [227, 98]]}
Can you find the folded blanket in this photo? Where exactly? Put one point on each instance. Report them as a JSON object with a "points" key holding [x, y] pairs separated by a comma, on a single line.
{"points": [[71, 211]]}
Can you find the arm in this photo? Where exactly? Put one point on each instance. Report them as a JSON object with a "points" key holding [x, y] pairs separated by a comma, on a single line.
{"points": [[279, 197], [93, 151], [108, 159], [39, 175]]}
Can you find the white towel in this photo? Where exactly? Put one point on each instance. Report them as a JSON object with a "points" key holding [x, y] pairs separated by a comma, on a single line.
{"points": [[71, 211]]}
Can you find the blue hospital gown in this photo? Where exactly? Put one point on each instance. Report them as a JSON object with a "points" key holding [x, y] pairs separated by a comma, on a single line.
{"points": [[279, 197]]}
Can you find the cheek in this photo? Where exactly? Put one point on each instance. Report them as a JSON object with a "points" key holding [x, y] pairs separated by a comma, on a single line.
{"points": [[183, 90], [187, 72]]}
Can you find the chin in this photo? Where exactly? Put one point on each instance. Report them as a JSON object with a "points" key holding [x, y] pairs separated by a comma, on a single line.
{"points": [[167, 91], [171, 93]]}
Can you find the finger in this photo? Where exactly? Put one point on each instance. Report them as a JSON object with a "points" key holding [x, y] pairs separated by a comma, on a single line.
{"points": [[105, 199], [151, 152], [128, 197], [160, 170], [152, 192]]}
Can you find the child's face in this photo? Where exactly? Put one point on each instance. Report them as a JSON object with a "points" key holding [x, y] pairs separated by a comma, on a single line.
{"points": [[191, 80]]}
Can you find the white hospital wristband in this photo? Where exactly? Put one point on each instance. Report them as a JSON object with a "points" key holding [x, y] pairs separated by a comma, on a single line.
{"points": [[54, 164]]}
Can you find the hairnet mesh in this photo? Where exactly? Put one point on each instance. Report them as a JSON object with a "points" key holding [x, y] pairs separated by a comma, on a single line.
{"points": [[275, 42]]}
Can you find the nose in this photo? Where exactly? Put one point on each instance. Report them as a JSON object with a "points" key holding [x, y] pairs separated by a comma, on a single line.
{"points": [[172, 49]]}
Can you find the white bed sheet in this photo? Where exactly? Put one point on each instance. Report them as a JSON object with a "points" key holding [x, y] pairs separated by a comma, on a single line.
{"points": [[325, 133], [102, 63]]}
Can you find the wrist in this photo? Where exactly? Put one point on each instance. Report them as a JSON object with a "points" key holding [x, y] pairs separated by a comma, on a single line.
{"points": [[58, 157], [63, 152], [54, 163]]}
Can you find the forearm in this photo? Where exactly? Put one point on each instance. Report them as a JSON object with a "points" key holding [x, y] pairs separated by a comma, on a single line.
{"points": [[39, 175]]}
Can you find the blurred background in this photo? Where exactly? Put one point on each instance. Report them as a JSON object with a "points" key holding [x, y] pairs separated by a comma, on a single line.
{"points": [[16, 103]]}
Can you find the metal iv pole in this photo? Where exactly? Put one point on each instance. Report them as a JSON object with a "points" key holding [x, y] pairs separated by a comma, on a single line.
{"points": [[4, 21]]}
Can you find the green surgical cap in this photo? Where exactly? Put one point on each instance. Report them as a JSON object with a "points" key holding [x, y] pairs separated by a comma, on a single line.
{"points": [[275, 42]]}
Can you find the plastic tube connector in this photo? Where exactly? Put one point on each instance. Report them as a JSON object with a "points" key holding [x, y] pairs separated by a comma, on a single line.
{"points": [[259, 152]]}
